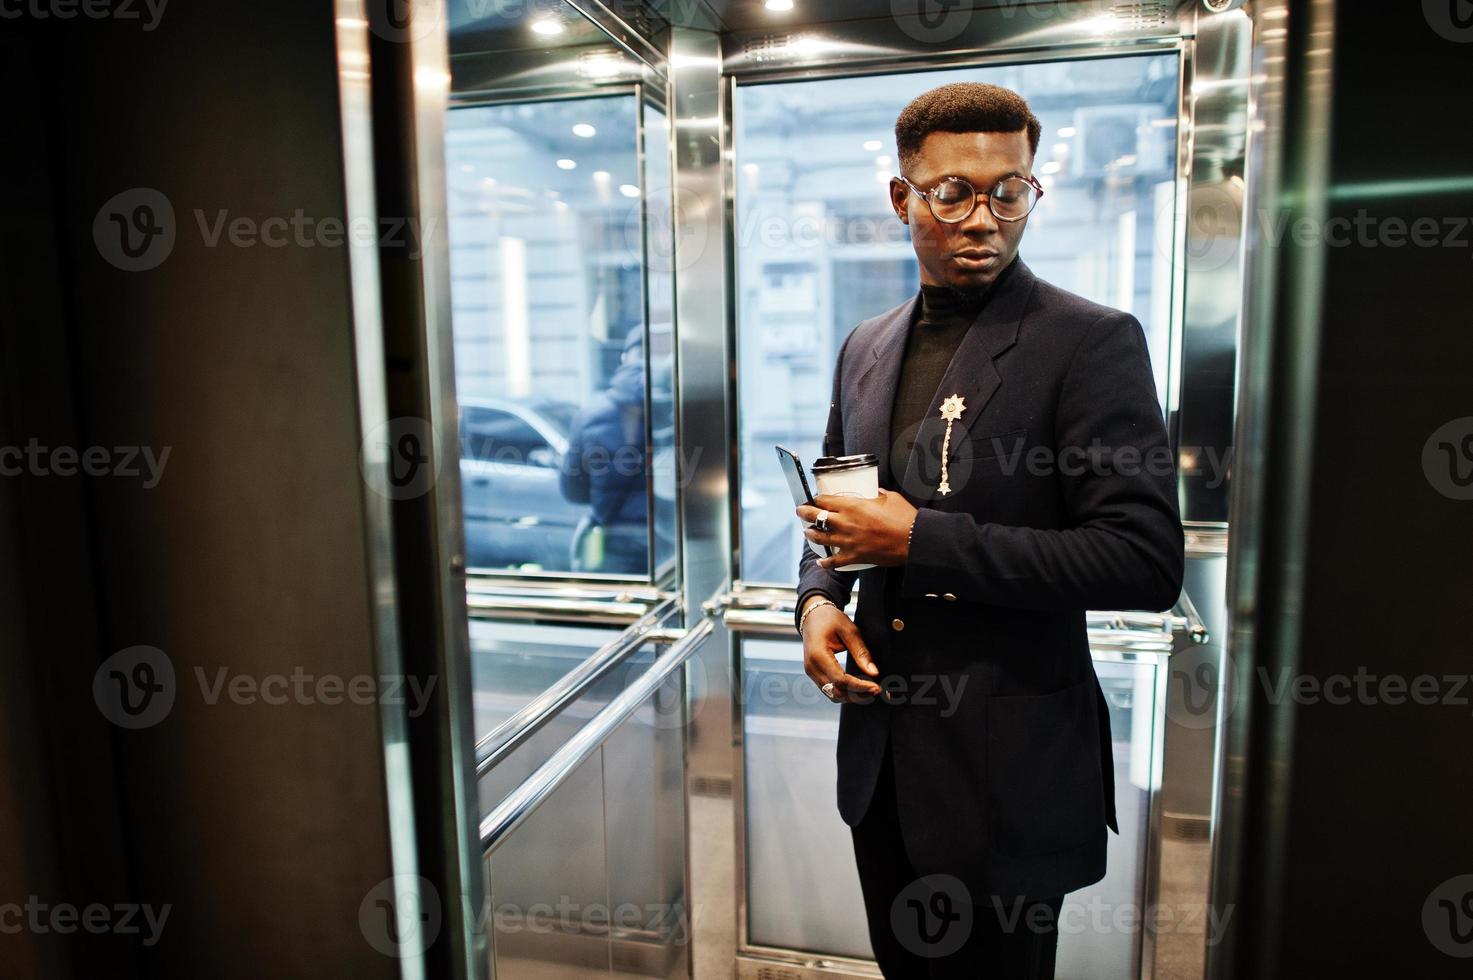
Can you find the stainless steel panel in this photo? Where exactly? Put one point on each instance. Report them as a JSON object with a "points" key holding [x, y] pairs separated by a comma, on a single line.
{"points": [[494, 50], [645, 821], [702, 357], [1288, 175], [550, 887], [1036, 32], [1214, 143]]}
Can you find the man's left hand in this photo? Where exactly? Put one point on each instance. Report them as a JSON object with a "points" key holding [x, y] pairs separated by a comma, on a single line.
{"points": [[873, 531]]}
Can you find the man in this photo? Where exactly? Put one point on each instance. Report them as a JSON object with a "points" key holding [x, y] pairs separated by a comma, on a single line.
{"points": [[604, 467], [1026, 477]]}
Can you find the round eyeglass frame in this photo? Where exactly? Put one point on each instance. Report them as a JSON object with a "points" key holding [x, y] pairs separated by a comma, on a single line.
{"points": [[930, 200]]}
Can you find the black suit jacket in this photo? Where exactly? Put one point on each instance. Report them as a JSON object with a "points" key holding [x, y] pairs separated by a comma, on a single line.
{"points": [[1063, 499]]}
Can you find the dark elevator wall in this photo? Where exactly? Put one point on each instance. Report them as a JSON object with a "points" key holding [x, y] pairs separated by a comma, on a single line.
{"points": [[1358, 813], [262, 826]]}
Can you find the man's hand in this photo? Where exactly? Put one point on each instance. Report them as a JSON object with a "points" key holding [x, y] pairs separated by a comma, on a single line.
{"points": [[826, 631], [865, 530]]}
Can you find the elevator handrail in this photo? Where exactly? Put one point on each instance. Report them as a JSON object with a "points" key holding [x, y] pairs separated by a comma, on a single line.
{"points": [[769, 609], [530, 719], [556, 599], [509, 814]]}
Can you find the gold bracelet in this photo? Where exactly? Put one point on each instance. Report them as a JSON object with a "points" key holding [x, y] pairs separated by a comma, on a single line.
{"points": [[804, 618]]}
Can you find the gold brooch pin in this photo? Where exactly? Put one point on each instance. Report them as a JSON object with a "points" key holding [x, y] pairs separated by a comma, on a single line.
{"points": [[951, 410]]}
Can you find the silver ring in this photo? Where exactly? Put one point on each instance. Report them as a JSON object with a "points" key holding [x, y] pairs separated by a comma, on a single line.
{"points": [[828, 691], [821, 522]]}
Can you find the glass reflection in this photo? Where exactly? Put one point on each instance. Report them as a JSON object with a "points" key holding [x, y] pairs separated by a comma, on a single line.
{"points": [[548, 314]]}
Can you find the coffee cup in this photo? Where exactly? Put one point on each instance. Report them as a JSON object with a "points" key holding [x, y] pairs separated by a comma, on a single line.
{"points": [[846, 476]]}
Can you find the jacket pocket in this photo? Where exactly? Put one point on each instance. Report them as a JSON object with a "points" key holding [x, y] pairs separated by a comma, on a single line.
{"points": [[993, 445], [1044, 788]]}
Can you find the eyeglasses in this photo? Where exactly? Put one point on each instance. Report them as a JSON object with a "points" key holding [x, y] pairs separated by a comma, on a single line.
{"points": [[953, 200]]}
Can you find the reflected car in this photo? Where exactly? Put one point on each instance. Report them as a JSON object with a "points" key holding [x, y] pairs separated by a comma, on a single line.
{"points": [[515, 513]]}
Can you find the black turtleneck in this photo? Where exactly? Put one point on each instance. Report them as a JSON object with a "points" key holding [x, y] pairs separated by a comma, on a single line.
{"points": [[943, 318]]}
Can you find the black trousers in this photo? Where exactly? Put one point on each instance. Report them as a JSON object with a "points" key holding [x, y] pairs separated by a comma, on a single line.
{"points": [[934, 925]]}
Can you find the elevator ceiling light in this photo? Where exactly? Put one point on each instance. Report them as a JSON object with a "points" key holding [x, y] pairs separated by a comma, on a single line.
{"points": [[1066, 132], [566, 164], [628, 190], [779, 5], [585, 130], [548, 25], [1052, 167], [602, 176], [872, 145], [604, 63]]}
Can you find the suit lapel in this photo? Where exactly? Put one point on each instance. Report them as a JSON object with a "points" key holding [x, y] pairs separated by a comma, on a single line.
{"points": [[875, 386], [972, 375]]}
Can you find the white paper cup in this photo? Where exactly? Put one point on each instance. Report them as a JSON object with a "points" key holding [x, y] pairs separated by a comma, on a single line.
{"points": [[846, 476]]}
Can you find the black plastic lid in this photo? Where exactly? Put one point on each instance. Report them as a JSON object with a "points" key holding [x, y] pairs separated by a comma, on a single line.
{"points": [[828, 464]]}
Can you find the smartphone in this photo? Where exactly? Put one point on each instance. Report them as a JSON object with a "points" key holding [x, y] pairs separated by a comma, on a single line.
{"points": [[797, 482]]}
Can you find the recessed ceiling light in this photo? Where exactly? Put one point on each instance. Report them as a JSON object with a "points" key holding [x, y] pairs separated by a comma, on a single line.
{"points": [[488, 181], [628, 190], [566, 164], [779, 4], [584, 130], [560, 205], [602, 175], [1067, 131], [1052, 167], [469, 168], [872, 145], [548, 25]]}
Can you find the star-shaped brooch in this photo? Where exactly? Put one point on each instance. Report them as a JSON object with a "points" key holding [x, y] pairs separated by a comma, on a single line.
{"points": [[951, 410]]}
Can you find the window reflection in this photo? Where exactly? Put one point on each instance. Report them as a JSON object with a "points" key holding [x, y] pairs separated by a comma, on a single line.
{"points": [[818, 249], [549, 321]]}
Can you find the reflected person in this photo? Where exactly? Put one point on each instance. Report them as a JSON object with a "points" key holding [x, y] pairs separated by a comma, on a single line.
{"points": [[605, 467], [1026, 478]]}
